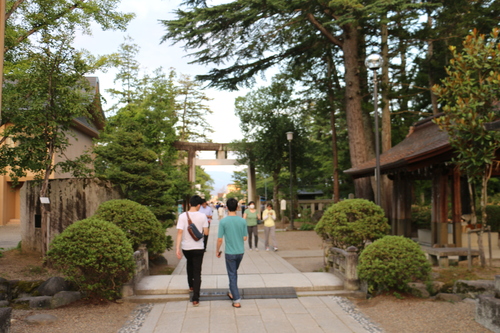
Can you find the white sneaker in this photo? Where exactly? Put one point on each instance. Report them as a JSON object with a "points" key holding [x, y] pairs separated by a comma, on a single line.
{"points": [[275, 249], [256, 249], [250, 249], [267, 249]]}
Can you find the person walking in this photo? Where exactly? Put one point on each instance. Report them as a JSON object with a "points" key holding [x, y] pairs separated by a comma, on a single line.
{"points": [[233, 230], [191, 248], [269, 216], [251, 216], [221, 212], [207, 210]]}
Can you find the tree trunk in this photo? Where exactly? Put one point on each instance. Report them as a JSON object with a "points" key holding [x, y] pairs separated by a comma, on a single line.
{"points": [[44, 208], [276, 201], [386, 183], [358, 143], [430, 54], [335, 158]]}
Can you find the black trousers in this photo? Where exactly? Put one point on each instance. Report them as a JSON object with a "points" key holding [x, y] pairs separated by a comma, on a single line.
{"points": [[194, 261]]}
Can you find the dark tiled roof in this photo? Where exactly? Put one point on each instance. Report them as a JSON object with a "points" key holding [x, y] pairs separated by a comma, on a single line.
{"points": [[425, 144]]}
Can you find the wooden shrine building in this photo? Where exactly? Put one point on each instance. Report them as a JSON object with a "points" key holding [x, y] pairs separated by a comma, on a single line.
{"points": [[425, 154]]}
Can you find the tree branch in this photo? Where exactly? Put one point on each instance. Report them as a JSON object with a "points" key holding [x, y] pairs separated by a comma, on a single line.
{"points": [[42, 24], [13, 9], [323, 30]]}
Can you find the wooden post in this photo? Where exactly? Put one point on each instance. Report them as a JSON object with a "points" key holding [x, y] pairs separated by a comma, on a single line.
{"points": [[457, 209], [443, 210]]}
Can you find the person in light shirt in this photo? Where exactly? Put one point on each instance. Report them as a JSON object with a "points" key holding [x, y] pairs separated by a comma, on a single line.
{"points": [[192, 249], [207, 210], [269, 216]]}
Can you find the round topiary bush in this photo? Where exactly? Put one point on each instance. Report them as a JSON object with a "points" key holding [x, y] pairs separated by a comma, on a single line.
{"points": [[94, 254], [139, 224], [391, 263], [353, 222]]}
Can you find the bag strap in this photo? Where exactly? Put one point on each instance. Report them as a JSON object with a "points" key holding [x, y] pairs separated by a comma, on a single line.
{"points": [[189, 219]]}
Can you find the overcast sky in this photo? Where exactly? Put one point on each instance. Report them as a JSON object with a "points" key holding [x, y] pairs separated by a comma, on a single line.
{"points": [[147, 32]]}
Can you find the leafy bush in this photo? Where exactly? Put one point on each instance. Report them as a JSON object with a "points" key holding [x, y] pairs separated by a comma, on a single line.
{"points": [[94, 254], [421, 216], [306, 226], [391, 262], [139, 224], [353, 222], [493, 220]]}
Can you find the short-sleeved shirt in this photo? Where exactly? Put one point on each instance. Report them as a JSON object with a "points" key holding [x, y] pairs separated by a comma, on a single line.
{"points": [[200, 220], [207, 211], [233, 229], [251, 218]]}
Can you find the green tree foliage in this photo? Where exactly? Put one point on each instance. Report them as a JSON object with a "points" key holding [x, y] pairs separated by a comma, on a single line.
{"points": [[253, 36], [42, 99], [136, 149], [204, 181], [353, 222], [470, 94], [137, 222], [192, 111], [266, 115], [94, 254], [392, 262], [26, 18]]}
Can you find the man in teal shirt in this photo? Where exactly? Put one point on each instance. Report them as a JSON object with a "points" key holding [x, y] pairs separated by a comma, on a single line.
{"points": [[233, 229]]}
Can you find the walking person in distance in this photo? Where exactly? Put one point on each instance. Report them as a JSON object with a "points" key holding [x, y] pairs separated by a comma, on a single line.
{"points": [[251, 216], [207, 210]]}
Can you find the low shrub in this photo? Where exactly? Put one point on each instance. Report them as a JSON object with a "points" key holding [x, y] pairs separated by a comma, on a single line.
{"points": [[421, 216], [139, 224], [493, 217], [95, 255], [391, 263], [306, 226], [353, 222]]}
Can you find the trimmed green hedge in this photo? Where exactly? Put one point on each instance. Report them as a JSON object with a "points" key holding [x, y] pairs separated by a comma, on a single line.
{"points": [[391, 262], [353, 222], [139, 224], [95, 255]]}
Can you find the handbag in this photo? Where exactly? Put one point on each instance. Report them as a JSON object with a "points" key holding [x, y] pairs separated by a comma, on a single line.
{"points": [[259, 221], [193, 230]]}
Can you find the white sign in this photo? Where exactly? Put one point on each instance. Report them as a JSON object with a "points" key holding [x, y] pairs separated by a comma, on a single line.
{"points": [[283, 204], [44, 200]]}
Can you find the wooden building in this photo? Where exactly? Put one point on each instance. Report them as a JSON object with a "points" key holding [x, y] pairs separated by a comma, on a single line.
{"points": [[425, 154]]}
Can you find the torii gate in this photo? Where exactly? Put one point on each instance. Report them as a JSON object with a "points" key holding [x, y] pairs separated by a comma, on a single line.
{"points": [[221, 150]]}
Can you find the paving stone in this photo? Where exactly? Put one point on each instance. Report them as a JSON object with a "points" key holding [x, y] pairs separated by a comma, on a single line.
{"points": [[41, 319]]}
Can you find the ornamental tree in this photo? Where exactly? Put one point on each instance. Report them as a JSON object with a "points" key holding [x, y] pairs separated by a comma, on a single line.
{"points": [[470, 95]]}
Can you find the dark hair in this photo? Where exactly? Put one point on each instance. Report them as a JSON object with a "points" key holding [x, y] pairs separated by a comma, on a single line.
{"points": [[232, 204], [195, 200], [251, 202], [203, 201], [270, 205]]}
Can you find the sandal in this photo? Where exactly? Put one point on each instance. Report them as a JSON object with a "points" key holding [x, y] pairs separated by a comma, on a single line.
{"points": [[230, 295], [196, 303], [236, 305]]}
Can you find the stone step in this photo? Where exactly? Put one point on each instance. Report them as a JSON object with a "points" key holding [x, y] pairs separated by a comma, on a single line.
{"points": [[223, 296], [339, 293]]}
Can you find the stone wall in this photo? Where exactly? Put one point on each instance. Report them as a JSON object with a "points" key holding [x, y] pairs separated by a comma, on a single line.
{"points": [[71, 200], [141, 259]]}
